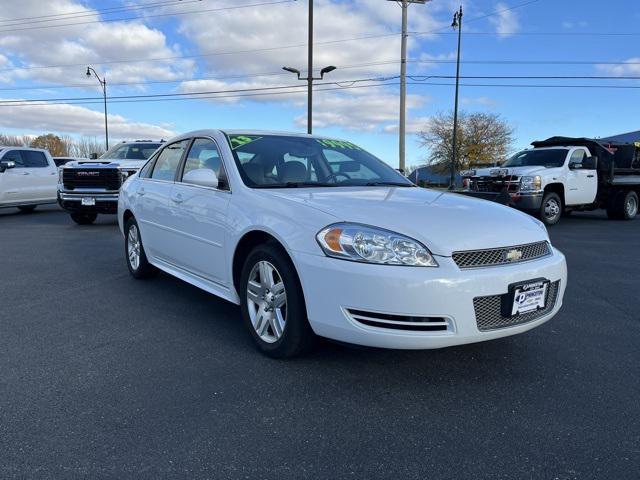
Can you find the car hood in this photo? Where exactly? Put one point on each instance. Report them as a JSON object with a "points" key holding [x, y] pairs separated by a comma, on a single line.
{"points": [[444, 222], [105, 162], [520, 171]]}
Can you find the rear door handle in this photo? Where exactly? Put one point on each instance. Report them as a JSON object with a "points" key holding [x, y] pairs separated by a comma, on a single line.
{"points": [[177, 198], [590, 176]]}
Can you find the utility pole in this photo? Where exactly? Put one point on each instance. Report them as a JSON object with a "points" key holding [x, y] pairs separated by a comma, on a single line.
{"points": [[310, 78], [103, 84], [404, 4], [310, 71], [457, 23]]}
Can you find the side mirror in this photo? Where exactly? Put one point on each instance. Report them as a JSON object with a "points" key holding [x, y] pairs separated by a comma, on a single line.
{"points": [[203, 177], [93, 156], [575, 166], [590, 163], [6, 164]]}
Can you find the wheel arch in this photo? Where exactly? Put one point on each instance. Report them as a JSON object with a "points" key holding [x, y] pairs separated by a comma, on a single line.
{"points": [[558, 188], [248, 242]]}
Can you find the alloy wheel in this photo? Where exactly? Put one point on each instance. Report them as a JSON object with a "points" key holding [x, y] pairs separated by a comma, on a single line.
{"points": [[267, 301], [133, 247], [551, 209]]}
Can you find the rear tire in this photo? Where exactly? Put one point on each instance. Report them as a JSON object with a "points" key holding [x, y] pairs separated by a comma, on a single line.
{"points": [[27, 208], [551, 209], [623, 206], [272, 303], [137, 262], [84, 218]]}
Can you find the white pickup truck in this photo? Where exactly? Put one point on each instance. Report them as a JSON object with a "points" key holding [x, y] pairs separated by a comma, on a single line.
{"points": [[560, 175], [28, 178]]}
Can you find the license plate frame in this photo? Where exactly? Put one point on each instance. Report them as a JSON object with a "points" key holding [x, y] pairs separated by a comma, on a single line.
{"points": [[88, 201], [526, 297]]}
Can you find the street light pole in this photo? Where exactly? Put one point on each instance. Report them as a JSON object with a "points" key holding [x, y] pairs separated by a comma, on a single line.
{"points": [[310, 78], [103, 84], [457, 23]]}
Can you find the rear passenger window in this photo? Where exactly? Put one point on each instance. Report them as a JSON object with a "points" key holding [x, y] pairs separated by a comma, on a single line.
{"points": [[34, 159], [204, 154], [168, 161]]}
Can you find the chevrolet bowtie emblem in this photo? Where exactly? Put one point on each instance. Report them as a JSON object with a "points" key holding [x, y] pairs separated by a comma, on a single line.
{"points": [[513, 255]]}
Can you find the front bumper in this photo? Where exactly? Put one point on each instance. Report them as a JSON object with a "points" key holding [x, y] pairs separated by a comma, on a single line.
{"points": [[332, 287], [105, 203], [521, 201]]}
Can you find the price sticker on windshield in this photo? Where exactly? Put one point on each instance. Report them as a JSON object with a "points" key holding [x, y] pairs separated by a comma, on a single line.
{"points": [[238, 141], [337, 144]]}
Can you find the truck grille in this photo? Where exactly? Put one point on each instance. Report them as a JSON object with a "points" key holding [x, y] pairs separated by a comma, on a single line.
{"points": [[501, 256], [489, 311], [495, 184], [100, 178]]}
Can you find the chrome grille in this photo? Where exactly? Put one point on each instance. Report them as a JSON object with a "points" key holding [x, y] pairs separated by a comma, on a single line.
{"points": [[500, 256], [489, 310], [401, 322]]}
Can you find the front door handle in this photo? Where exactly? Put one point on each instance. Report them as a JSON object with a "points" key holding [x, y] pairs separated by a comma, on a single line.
{"points": [[140, 191], [590, 176], [26, 173], [177, 198]]}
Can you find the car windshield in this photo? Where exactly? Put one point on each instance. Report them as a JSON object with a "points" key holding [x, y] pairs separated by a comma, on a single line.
{"points": [[550, 158], [278, 161], [131, 151]]}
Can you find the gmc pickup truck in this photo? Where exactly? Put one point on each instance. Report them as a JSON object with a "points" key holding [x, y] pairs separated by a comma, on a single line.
{"points": [[87, 188], [560, 175]]}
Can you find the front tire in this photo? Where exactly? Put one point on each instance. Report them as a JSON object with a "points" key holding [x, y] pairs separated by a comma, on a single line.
{"points": [[84, 218], [551, 209], [139, 266], [272, 303], [27, 208]]}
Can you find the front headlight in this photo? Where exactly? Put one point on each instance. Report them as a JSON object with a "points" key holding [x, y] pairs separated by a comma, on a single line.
{"points": [[60, 176], [529, 184], [362, 243]]}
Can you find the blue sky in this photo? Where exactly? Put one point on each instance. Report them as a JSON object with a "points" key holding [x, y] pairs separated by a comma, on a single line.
{"points": [[201, 52]]}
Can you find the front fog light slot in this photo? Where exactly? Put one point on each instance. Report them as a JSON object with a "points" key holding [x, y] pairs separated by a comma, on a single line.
{"points": [[363, 243], [401, 322]]}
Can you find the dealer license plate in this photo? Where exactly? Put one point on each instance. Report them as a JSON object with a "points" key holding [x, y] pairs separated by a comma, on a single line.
{"points": [[529, 297], [88, 201]]}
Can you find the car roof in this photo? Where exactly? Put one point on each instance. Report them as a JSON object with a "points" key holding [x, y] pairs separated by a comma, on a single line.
{"points": [[2, 147], [235, 131]]}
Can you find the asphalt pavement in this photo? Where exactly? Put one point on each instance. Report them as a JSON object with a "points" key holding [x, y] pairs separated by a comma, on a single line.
{"points": [[103, 376]]}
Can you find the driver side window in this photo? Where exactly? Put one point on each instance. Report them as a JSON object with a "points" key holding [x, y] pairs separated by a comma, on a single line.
{"points": [[577, 157]]}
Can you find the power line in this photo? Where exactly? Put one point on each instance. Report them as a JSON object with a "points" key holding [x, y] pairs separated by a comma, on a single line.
{"points": [[91, 13], [235, 7]]}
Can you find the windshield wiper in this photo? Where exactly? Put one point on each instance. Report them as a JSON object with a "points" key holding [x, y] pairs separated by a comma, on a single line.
{"points": [[296, 185], [388, 184]]}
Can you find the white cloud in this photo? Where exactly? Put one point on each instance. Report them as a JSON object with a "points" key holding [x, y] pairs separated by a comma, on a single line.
{"points": [[481, 101], [630, 67], [86, 44], [76, 120], [279, 25], [506, 22]]}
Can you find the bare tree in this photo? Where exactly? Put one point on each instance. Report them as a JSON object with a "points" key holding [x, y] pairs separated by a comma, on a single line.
{"points": [[14, 140], [482, 139], [85, 146]]}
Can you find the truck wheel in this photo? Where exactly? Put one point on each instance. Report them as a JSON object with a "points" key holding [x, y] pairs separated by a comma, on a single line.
{"points": [[137, 262], [272, 303], [84, 218], [551, 208], [623, 206], [27, 208]]}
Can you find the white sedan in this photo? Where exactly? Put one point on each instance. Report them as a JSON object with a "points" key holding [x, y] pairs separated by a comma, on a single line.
{"points": [[315, 236]]}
